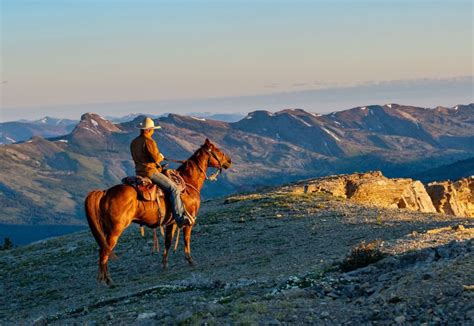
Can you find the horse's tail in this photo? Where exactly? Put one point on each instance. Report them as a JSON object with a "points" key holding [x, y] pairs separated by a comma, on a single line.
{"points": [[92, 208]]}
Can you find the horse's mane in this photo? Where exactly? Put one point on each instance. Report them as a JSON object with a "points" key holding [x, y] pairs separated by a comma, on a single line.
{"points": [[193, 157]]}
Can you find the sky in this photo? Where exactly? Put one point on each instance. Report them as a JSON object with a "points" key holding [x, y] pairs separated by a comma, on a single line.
{"points": [[57, 55]]}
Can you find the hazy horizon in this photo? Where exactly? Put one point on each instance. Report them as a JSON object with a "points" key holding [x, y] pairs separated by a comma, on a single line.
{"points": [[424, 92]]}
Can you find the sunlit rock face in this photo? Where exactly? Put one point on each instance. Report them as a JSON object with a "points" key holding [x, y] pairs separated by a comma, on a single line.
{"points": [[373, 188], [453, 198]]}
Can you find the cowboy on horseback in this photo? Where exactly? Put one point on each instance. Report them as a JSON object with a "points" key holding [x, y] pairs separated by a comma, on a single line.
{"points": [[109, 212], [147, 158]]}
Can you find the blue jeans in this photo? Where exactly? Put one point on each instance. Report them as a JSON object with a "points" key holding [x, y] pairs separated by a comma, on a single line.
{"points": [[172, 191]]}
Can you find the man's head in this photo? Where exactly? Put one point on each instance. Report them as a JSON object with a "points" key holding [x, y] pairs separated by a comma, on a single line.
{"points": [[147, 126]]}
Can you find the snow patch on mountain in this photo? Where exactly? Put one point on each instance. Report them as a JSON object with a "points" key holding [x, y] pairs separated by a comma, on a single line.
{"points": [[408, 116], [330, 133], [300, 120], [93, 131]]}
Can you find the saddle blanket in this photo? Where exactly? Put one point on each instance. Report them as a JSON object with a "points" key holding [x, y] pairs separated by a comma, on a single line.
{"points": [[146, 189]]}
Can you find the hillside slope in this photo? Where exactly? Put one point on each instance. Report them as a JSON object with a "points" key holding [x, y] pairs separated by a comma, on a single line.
{"points": [[454, 171], [264, 258]]}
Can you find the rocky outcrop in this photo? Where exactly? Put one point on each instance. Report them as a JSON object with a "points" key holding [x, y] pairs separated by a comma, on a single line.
{"points": [[374, 189], [453, 198]]}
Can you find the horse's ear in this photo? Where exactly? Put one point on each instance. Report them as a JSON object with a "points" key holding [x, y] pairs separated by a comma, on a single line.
{"points": [[207, 142]]}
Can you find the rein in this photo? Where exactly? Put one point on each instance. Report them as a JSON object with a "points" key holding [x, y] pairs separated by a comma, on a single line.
{"points": [[174, 161], [212, 177]]}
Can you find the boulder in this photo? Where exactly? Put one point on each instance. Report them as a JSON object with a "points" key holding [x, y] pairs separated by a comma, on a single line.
{"points": [[373, 188], [453, 198]]}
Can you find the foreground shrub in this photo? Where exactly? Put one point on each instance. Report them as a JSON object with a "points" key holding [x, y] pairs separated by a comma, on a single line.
{"points": [[7, 244], [363, 255]]}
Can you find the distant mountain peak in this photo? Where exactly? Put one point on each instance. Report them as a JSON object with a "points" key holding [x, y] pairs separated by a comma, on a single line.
{"points": [[130, 117], [292, 110], [93, 125], [96, 122], [258, 114], [50, 121], [90, 115]]}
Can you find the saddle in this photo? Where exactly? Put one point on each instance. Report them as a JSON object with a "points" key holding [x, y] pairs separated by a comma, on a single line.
{"points": [[147, 190]]}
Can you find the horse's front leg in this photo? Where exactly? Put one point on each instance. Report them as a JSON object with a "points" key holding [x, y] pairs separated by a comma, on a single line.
{"points": [[169, 233], [187, 244]]}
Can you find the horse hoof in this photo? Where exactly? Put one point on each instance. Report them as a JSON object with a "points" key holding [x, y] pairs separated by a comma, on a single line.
{"points": [[165, 265], [110, 283], [191, 262]]}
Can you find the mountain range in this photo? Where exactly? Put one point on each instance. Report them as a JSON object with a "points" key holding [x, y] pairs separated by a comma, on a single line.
{"points": [[44, 180], [16, 131]]}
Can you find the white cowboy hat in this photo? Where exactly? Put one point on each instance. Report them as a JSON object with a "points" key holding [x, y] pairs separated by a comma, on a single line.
{"points": [[147, 123]]}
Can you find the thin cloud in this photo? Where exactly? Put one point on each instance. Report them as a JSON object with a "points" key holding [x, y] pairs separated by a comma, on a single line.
{"points": [[321, 83], [272, 85], [300, 84]]}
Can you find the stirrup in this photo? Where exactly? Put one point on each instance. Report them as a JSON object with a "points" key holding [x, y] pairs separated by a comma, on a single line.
{"points": [[191, 219], [179, 221], [187, 219]]}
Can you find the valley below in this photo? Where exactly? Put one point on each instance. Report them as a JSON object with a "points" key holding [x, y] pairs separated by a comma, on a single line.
{"points": [[272, 257]]}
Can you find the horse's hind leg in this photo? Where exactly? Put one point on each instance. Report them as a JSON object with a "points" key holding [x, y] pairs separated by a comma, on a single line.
{"points": [[103, 275], [187, 245], [112, 239]]}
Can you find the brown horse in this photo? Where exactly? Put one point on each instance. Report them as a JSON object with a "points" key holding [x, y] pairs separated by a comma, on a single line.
{"points": [[110, 212]]}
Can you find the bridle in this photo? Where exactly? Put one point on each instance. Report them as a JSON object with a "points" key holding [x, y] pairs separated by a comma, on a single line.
{"points": [[212, 177]]}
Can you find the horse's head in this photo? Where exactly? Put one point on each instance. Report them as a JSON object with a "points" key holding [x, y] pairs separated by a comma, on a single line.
{"points": [[217, 158]]}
